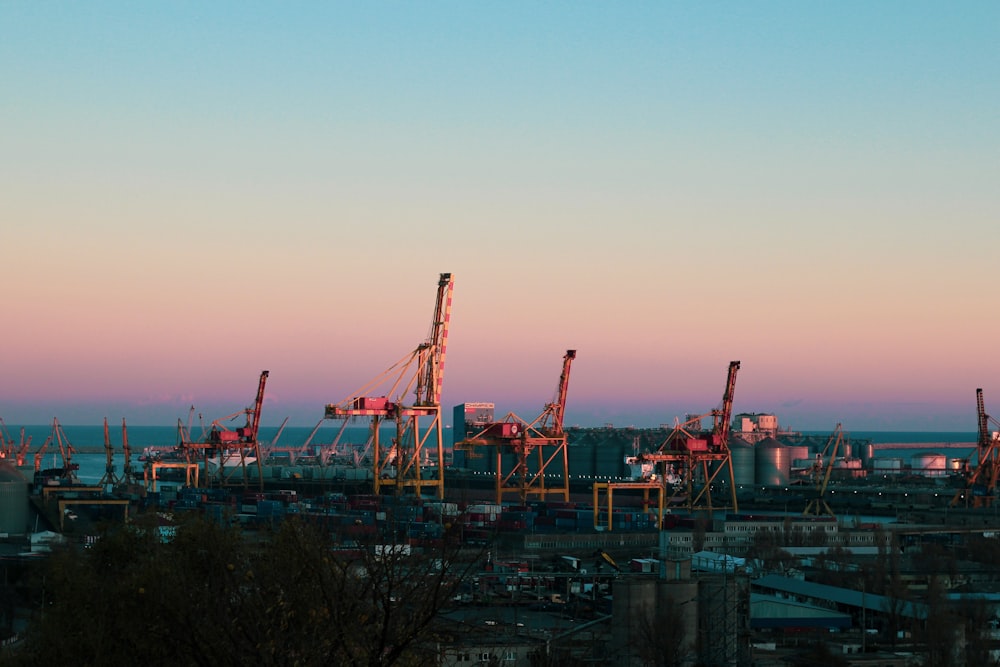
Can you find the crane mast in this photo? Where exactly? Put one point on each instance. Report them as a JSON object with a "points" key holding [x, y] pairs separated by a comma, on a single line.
{"points": [[821, 472], [420, 374], [981, 481], [109, 477], [258, 404], [722, 429], [127, 470], [555, 412]]}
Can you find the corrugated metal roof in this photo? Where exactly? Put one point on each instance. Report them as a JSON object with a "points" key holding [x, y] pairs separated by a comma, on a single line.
{"points": [[767, 611], [842, 596]]}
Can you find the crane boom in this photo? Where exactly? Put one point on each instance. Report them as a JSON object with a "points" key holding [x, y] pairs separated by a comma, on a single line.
{"points": [[258, 404], [983, 420], [723, 416], [560, 411], [432, 375]]}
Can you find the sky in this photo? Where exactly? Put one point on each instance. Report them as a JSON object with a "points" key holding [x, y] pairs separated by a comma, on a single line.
{"points": [[194, 192]]}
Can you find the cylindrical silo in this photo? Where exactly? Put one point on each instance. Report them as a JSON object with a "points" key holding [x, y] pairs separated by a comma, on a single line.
{"points": [[679, 599], [744, 471], [13, 500], [800, 457], [724, 603], [633, 609], [887, 465], [772, 463], [866, 452], [928, 464]]}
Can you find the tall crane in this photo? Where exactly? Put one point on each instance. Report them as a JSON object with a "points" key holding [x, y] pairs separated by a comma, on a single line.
{"points": [[40, 454], [22, 450], [981, 482], [419, 374], [7, 448], [127, 470], [66, 449], [109, 477], [6, 442], [821, 471], [225, 452], [691, 458], [542, 438]]}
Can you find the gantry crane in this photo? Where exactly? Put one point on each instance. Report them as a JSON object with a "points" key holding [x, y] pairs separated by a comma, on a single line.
{"points": [[40, 454], [6, 442], [7, 448], [226, 454], [691, 458], [109, 477], [419, 374], [66, 449], [544, 437], [22, 450], [981, 481], [820, 473], [127, 469]]}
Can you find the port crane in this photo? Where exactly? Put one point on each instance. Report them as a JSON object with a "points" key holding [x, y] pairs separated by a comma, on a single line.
{"points": [[66, 451], [22, 450], [535, 447], [981, 481], [66, 448], [691, 458], [40, 454], [127, 470], [109, 478], [821, 471], [419, 374], [7, 448], [6, 442], [222, 451]]}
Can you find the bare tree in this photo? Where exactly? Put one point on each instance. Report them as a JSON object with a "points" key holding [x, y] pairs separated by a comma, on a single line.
{"points": [[211, 596], [664, 640]]}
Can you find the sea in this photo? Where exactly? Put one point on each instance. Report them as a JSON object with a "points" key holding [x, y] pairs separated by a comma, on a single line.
{"points": [[88, 442]]}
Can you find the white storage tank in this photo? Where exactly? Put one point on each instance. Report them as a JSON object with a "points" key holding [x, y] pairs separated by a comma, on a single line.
{"points": [[887, 466], [929, 464]]}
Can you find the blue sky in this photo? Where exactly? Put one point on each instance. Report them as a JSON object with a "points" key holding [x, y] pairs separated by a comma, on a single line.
{"points": [[198, 191]]}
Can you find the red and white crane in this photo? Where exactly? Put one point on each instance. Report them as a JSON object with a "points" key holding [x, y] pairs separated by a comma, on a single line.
{"points": [[693, 457], [537, 447], [419, 374]]}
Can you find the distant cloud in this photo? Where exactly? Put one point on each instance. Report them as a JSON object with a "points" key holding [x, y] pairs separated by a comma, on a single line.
{"points": [[165, 399]]}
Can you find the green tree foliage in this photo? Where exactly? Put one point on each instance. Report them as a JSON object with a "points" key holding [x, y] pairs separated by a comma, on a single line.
{"points": [[211, 596]]}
